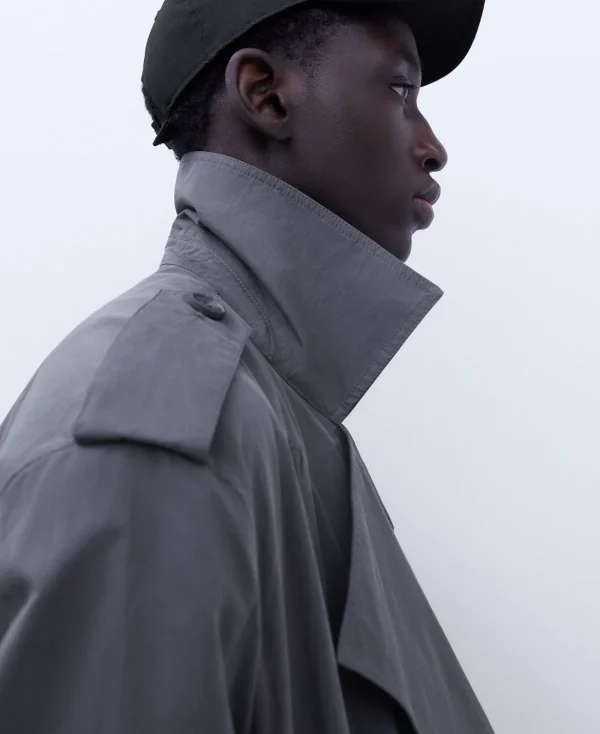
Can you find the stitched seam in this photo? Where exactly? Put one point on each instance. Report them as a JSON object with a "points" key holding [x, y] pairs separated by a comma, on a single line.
{"points": [[416, 314], [183, 267], [325, 216], [240, 281]]}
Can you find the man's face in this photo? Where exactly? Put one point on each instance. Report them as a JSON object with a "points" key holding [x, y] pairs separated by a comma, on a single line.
{"points": [[361, 147]]}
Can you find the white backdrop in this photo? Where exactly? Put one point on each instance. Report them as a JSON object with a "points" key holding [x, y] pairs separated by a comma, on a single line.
{"points": [[483, 432]]}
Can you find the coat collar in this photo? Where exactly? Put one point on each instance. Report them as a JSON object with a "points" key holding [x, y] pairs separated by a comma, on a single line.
{"points": [[327, 306]]}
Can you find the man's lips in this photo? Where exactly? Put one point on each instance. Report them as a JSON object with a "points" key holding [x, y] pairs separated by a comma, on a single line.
{"points": [[423, 212], [424, 202], [431, 195]]}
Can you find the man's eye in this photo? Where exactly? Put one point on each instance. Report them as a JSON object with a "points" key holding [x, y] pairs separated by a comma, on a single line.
{"points": [[403, 90]]}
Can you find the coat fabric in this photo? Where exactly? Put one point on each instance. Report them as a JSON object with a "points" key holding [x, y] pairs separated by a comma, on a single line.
{"points": [[189, 539]]}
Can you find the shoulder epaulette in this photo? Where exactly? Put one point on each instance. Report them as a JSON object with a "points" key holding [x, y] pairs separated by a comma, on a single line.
{"points": [[165, 378]]}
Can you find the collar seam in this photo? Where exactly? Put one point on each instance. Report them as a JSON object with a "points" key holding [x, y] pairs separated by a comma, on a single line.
{"points": [[324, 215], [245, 288], [417, 313]]}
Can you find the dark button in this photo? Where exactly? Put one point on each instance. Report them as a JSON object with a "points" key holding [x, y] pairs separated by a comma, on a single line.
{"points": [[208, 306]]}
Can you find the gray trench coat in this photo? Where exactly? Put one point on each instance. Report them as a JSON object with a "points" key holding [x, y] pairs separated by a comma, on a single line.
{"points": [[189, 540]]}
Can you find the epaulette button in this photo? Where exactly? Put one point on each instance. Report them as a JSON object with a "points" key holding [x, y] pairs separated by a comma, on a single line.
{"points": [[208, 306]]}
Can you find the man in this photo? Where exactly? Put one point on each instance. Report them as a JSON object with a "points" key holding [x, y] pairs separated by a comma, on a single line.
{"points": [[189, 540]]}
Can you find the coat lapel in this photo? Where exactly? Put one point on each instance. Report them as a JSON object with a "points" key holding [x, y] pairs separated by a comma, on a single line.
{"points": [[390, 635]]}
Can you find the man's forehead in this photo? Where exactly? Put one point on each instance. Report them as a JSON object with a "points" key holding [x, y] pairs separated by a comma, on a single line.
{"points": [[394, 42], [402, 44], [410, 54]]}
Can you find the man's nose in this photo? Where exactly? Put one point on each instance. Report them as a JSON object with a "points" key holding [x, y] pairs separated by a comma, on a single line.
{"points": [[431, 154]]}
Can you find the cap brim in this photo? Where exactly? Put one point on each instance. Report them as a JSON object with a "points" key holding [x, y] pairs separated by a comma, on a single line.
{"points": [[445, 31], [163, 135]]}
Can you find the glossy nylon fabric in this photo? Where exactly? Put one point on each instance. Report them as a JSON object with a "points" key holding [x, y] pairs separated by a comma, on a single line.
{"points": [[189, 538]]}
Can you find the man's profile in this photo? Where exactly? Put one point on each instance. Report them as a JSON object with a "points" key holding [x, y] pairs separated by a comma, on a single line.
{"points": [[189, 538]]}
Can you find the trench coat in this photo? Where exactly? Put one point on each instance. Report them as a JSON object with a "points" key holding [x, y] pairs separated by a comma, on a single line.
{"points": [[189, 539]]}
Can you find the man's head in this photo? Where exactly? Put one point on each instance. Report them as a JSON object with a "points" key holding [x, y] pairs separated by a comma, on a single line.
{"points": [[324, 96]]}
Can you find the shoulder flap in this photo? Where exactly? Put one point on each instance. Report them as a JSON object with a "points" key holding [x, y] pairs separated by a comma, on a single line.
{"points": [[166, 376]]}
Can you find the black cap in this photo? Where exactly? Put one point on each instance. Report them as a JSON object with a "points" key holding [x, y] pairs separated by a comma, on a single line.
{"points": [[188, 34]]}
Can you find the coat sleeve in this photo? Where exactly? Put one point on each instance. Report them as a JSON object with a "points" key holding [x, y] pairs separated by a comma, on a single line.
{"points": [[128, 597]]}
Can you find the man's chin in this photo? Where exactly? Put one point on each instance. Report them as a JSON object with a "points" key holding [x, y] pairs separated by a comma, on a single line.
{"points": [[401, 248]]}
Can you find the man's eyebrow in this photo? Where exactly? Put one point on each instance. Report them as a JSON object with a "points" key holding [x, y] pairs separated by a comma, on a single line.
{"points": [[408, 55]]}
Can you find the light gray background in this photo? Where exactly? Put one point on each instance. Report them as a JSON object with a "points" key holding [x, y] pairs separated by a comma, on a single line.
{"points": [[483, 433]]}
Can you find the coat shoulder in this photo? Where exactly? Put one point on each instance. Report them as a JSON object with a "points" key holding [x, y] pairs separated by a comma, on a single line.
{"points": [[164, 380]]}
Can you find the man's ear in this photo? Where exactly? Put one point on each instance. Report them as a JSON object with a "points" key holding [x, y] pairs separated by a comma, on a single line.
{"points": [[258, 86]]}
